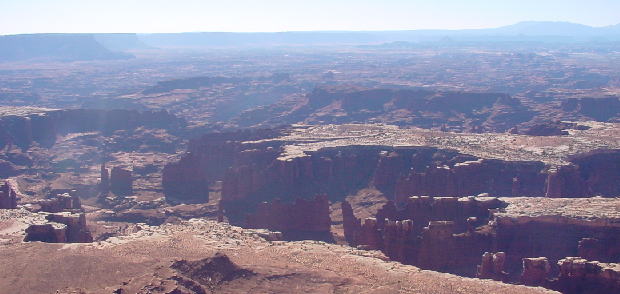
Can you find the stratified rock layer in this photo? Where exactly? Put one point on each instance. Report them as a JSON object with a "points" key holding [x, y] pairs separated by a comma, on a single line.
{"points": [[22, 126], [511, 232], [303, 219], [339, 160]]}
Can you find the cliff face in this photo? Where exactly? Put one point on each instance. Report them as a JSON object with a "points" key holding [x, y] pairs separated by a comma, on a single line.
{"points": [[8, 197], [450, 235], [578, 275], [592, 173], [257, 167], [399, 173], [207, 159], [495, 177], [553, 239], [24, 127], [454, 111], [185, 180], [599, 109], [573, 275], [121, 181], [303, 219], [432, 233]]}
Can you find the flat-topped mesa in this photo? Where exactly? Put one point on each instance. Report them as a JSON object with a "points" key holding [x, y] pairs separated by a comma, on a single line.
{"points": [[397, 172], [22, 126], [338, 160], [552, 128], [303, 219], [62, 227], [8, 196]]}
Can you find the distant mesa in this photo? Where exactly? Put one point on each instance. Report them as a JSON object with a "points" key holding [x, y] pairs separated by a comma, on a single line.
{"points": [[56, 47], [71, 47]]}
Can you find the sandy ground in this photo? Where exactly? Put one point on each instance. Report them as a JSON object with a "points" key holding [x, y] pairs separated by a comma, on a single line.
{"points": [[134, 259]]}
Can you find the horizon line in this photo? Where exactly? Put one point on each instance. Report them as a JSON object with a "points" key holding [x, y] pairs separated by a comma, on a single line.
{"points": [[312, 31]]}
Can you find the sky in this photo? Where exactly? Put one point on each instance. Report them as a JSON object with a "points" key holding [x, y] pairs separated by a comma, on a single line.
{"points": [[159, 16]]}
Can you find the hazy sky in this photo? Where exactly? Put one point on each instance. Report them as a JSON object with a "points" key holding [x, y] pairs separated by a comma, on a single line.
{"points": [[142, 16]]}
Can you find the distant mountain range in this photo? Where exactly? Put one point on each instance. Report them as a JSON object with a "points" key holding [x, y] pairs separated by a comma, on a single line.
{"points": [[107, 46], [569, 32]]}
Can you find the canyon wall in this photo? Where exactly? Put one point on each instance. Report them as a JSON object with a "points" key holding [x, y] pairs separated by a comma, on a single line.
{"points": [[452, 111], [300, 220], [207, 159], [592, 173], [450, 234], [599, 109], [23, 129], [254, 172], [445, 234]]}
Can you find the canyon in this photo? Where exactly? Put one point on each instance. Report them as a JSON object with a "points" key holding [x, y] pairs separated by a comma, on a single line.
{"points": [[448, 231], [424, 166]]}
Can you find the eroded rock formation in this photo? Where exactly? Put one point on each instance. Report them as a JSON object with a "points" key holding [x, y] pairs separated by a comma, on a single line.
{"points": [[536, 271], [450, 234], [578, 275], [592, 173], [60, 202], [263, 165], [433, 233], [492, 266], [303, 219], [104, 180], [62, 227], [8, 197], [207, 159], [121, 181]]}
